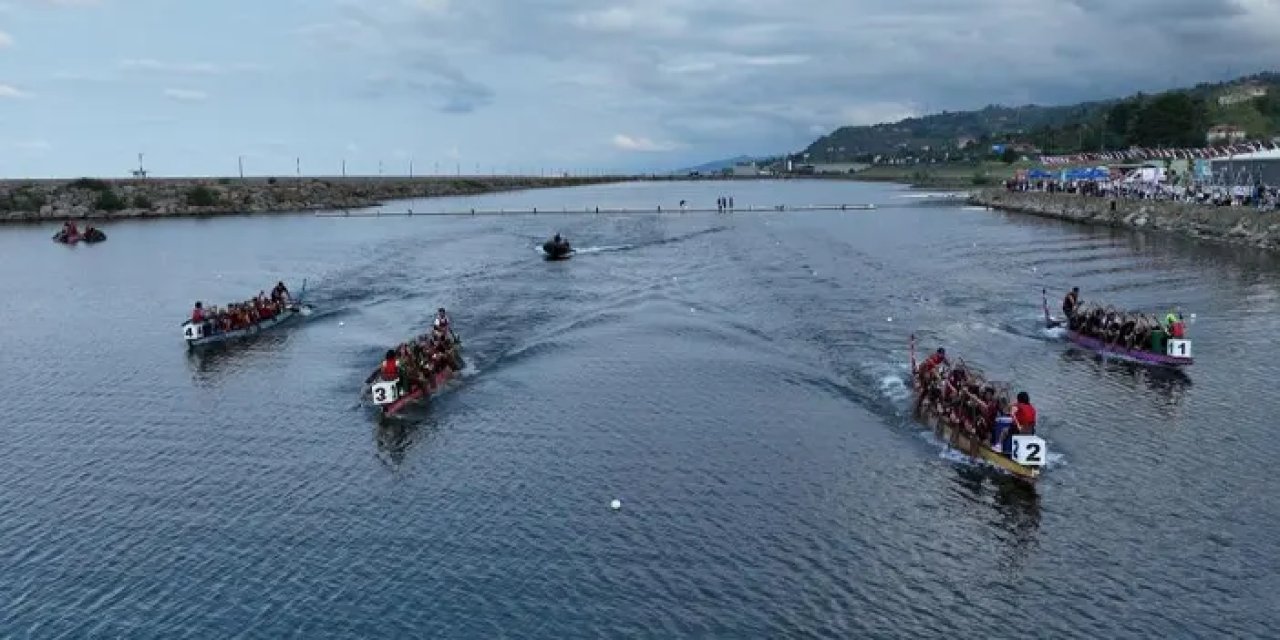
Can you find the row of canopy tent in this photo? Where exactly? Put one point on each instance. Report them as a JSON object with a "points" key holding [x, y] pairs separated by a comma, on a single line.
{"points": [[1071, 175]]}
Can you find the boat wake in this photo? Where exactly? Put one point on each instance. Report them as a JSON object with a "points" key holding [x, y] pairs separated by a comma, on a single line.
{"points": [[578, 251], [605, 248], [894, 387]]}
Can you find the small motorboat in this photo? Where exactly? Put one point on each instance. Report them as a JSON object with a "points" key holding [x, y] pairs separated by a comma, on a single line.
{"points": [[557, 248]]}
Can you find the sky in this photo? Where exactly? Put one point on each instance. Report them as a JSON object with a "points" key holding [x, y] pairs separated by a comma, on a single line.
{"points": [[558, 85]]}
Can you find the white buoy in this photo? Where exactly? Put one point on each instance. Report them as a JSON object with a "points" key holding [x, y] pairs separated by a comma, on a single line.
{"points": [[616, 504], [1033, 269], [1193, 316], [889, 319], [341, 324]]}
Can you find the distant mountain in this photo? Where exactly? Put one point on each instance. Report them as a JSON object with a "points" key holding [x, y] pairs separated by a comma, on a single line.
{"points": [[719, 165], [1180, 117]]}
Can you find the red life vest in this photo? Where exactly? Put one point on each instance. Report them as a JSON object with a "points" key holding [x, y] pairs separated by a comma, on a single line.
{"points": [[197, 315], [1025, 414], [1177, 330], [390, 370]]}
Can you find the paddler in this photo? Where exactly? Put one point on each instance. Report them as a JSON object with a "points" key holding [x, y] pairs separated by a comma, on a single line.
{"points": [[390, 369], [924, 373], [1175, 327], [1024, 414], [1002, 424], [932, 362], [1071, 302]]}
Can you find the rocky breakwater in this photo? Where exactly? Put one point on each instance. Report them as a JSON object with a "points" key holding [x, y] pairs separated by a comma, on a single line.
{"points": [[91, 198], [1235, 225]]}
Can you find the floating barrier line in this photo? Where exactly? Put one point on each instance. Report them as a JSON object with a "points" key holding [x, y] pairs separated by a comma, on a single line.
{"points": [[594, 210]]}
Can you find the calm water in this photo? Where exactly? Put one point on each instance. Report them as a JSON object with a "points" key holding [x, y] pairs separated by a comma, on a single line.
{"points": [[736, 380]]}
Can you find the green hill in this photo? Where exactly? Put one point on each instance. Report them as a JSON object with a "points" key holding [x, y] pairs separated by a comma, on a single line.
{"points": [[1176, 118]]}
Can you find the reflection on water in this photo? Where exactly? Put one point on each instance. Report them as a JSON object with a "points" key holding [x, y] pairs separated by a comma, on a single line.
{"points": [[396, 438], [1166, 384]]}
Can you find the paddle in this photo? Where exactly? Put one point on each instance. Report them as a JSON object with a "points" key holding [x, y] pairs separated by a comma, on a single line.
{"points": [[1049, 322]]}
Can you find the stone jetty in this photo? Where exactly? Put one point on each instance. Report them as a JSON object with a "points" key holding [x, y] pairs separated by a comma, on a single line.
{"points": [[1234, 225], [97, 199]]}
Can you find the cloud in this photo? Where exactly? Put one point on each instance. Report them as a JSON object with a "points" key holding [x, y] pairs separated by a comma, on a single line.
{"points": [[758, 74], [448, 89], [625, 142], [9, 91], [149, 64], [186, 95], [65, 3], [32, 145], [184, 68], [6, 40]]}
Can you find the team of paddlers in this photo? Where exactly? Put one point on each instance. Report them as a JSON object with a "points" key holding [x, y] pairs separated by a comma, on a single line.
{"points": [[417, 363], [1121, 328], [70, 234], [242, 315], [961, 396]]}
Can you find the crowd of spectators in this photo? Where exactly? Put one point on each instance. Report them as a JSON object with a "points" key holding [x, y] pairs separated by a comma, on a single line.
{"points": [[1260, 196]]}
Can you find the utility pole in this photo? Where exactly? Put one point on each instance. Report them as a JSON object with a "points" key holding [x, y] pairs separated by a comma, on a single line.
{"points": [[379, 168], [458, 168], [142, 172], [297, 166], [344, 167], [241, 162], [410, 168]]}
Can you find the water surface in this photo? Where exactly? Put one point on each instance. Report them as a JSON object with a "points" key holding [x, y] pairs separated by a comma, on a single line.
{"points": [[735, 380]]}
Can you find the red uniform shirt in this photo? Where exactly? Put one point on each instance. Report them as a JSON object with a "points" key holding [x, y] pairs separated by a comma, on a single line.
{"points": [[1025, 415]]}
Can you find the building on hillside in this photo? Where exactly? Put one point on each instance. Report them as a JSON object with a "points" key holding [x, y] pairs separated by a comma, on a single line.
{"points": [[1224, 133], [749, 169], [1236, 95], [1248, 168]]}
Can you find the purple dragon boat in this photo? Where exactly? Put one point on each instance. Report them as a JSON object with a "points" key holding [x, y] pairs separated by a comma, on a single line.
{"points": [[1177, 351]]}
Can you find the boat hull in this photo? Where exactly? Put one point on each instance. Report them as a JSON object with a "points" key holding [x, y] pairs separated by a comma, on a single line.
{"points": [[436, 381], [557, 251], [974, 447], [1131, 355], [239, 334]]}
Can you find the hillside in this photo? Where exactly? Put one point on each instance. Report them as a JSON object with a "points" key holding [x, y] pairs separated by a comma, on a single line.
{"points": [[718, 165], [1180, 117]]}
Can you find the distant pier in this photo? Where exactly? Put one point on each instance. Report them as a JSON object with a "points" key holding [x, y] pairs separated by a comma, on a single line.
{"points": [[597, 210]]}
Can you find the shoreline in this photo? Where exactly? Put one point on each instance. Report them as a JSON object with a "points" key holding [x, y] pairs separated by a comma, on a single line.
{"points": [[1241, 226], [58, 199]]}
